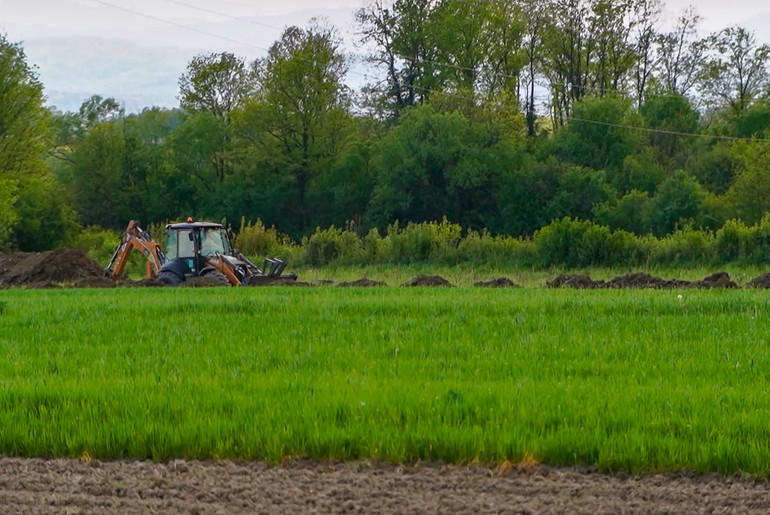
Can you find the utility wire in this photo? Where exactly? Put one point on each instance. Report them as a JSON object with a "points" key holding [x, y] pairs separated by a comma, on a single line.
{"points": [[175, 24], [428, 90], [491, 73]]}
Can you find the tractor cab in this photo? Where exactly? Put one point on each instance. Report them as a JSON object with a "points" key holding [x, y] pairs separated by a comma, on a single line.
{"points": [[192, 242]]}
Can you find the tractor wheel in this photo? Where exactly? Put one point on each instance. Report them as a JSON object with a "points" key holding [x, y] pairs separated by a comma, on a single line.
{"points": [[218, 277], [169, 278]]}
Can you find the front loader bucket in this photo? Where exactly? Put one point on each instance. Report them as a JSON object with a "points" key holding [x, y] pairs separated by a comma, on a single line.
{"points": [[273, 267]]}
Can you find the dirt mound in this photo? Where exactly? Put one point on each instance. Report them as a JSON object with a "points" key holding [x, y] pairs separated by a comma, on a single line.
{"points": [[636, 280], [259, 280], [718, 280], [577, 281], [428, 280], [364, 282], [763, 281], [500, 282], [41, 269], [201, 282]]}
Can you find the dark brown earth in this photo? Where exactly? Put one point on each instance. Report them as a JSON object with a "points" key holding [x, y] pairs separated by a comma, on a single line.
{"points": [[500, 282], [428, 280], [363, 282], [763, 281], [72, 486], [275, 281], [577, 281], [45, 269], [641, 280]]}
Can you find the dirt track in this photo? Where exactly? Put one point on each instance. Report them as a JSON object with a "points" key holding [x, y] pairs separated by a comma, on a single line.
{"points": [[71, 486]]}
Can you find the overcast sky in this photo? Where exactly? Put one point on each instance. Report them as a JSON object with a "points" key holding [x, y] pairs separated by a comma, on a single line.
{"points": [[135, 50]]}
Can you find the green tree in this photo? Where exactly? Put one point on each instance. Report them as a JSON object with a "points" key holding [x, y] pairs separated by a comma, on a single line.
{"points": [[216, 83], [678, 202], [580, 190], [749, 196], [595, 137], [735, 72], [28, 190], [304, 106]]}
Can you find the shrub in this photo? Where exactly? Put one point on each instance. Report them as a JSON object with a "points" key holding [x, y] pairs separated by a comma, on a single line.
{"points": [[332, 244], [684, 247], [732, 242], [427, 241], [254, 239]]}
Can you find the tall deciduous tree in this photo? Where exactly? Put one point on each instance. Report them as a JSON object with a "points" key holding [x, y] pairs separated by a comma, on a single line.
{"points": [[305, 103], [736, 70], [680, 53], [33, 217], [216, 83]]}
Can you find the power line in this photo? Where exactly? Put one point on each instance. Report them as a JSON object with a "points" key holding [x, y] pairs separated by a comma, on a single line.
{"points": [[224, 15], [175, 24], [425, 90], [663, 131]]}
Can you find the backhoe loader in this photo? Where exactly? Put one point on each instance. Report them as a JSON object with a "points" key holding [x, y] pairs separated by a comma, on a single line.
{"points": [[193, 249]]}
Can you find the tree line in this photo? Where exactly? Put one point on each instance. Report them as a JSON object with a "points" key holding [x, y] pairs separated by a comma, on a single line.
{"points": [[496, 116]]}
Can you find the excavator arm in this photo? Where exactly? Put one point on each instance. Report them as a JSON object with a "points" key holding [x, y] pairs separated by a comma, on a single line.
{"points": [[135, 238]]}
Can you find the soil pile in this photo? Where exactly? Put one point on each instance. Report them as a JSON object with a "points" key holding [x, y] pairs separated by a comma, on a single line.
{"points": [[642, 280], [428, 280], [363, 282], [500, 282], [46, 269], [763, 281], [718, 280], [259, 280], [201, 282], [577, 281]]}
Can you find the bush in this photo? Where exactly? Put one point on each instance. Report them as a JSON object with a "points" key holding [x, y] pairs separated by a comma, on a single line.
{"points": [[254, 239], [416, 243], [684, 247], [332, 244], [732, 242], [99, 244], [496, 251]]}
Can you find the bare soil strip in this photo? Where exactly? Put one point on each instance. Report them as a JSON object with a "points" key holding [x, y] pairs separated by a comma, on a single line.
{"points": [[74, 486]]}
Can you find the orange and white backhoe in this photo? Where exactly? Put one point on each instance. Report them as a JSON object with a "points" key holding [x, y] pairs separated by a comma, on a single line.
{"points": [[193, 249]]}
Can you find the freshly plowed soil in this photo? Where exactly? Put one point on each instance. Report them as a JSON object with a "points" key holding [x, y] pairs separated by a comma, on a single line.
{"points": [[275, 281], [69, 486], [641, 280], [40, 269], [718, 280], [577, 281], [428, 280], [363, 282], [763, 281], [500, 282], [201, 282]]}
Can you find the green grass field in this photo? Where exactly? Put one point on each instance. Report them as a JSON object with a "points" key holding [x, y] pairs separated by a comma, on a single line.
{"points": [[628, 380]]}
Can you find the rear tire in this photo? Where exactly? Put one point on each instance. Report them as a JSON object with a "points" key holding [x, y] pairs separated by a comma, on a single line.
{"points": [[219, 277], [169, 278]]}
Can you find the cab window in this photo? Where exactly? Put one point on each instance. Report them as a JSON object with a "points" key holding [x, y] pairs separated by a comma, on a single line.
{"points": [[211, 242], [185, 244]]}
